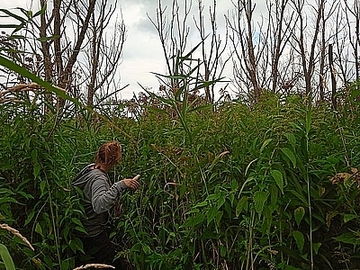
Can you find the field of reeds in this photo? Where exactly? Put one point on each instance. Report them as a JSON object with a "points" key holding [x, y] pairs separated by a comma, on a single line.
{"points": [[274, 185]]}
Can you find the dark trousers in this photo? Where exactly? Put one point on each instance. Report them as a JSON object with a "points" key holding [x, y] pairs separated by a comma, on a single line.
{"points": [[100, 249]]}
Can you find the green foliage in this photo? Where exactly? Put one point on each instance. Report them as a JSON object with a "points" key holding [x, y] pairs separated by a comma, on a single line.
{"points": [[223, 187], [237, 195], [6, 258]]}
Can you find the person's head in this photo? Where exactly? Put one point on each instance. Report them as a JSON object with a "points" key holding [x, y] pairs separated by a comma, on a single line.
{"points": [[108, 154]]}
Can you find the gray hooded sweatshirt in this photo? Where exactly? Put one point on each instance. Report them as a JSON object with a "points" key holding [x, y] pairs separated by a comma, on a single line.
{"points": [[99, 197]]}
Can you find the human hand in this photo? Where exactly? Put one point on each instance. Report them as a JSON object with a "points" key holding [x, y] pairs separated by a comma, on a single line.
{"points": [[132, 182]]}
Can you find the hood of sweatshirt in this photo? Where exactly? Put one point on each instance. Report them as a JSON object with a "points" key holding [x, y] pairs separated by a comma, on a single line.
{"points": [[83, 177]]}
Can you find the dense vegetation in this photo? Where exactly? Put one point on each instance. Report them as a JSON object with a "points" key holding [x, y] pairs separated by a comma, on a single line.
{"points": [[271, 182], [231, 186]]}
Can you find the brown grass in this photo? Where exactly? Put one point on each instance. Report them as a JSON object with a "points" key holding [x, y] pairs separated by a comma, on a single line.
{"points": [[95, 266], [16, 232]]}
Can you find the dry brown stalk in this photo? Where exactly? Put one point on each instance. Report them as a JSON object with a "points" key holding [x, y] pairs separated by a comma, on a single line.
{"points": [[20, 87], [16, 232], [16, 89], [94, 265], [25, 87], [5, 100], [224, 153], [342, 177]]}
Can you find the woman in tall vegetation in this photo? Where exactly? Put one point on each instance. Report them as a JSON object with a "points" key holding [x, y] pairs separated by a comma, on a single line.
{"points": [[100, 196]]}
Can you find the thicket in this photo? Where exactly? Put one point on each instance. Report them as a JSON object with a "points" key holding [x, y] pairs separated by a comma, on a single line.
{"points": [[227, 186], [268, 184]]}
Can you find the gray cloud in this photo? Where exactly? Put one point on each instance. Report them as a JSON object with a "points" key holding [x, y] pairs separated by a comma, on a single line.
{"points": [[145, 26]]}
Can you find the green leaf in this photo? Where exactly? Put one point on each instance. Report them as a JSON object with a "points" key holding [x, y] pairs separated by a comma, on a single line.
{"points": [[146, 248], [316, 247], [30, 217], [41, 11], [231, 198], [265, 143], [194, 220], [234, 185], [76, 244], [65, 264], [14, 36], [42, 188], [38, 229], [81, 229], [292, 254], [6, 258], [192, 210], [194, 49], [291, 138], [213, 197], [211, 213], [29, 14], [65, 232], [6, 191], [241, 205], [199, 108], [201, 204], [37, 169], [299, 239], [223, 251], [221, 200], [349, 217], [260, 198], [178, 93], [5, 26], [207, 83], [182, 190], [299, 214], [301, 197], [277, 175], [354, 94], [218, 218], [290, 154], [76, 221], [267, 220], [43, 39], [13, 15], [175, 77], [348, 238], [8, 200]]}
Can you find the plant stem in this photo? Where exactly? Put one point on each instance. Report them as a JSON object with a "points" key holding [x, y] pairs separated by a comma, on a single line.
{"points": [[54, 223], [307, 131]]}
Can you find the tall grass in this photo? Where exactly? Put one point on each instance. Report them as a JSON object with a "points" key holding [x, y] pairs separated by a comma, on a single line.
{"points": [[223, 187]]}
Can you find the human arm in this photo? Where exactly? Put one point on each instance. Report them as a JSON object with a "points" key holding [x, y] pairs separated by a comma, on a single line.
{"points": [[104, 196]]}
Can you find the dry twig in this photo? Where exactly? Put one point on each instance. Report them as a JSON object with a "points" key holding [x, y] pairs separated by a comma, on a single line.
{"points": [[25, 87]]}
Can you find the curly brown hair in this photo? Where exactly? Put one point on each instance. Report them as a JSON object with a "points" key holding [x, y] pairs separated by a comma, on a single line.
{"points": [[109, 153]]}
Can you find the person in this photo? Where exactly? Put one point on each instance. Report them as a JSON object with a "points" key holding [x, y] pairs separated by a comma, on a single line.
{"points": [[99, 197]]}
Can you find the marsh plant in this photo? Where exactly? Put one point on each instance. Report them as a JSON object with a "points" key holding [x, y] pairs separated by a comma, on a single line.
{"points": [[228, 185]]}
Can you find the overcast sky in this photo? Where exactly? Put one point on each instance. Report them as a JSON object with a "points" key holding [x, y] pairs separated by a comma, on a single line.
{"points": [[142, 52]]}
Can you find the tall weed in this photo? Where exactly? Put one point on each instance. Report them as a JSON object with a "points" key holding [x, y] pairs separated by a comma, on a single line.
{"points": [[230, 186]]}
